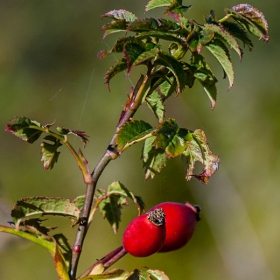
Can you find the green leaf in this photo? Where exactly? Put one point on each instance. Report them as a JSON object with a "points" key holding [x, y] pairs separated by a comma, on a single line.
{"points": [[117, 188], [164, 133], [238, 32], [64, 248], [152, 4], [146, 56], [114, 274], [198, 150], [176, 8], [113, 27], [148, 24], [144, 273], [155, 103], [121, 14], [79, 201], [206, 77], [110, 209], [30, 207], [25, 129], [131, 133], [49, 152], [175, 67], [227, 37], [116, 68], [251, 19], [131, 52], [219, 50], [48, 242], [153, 159]]}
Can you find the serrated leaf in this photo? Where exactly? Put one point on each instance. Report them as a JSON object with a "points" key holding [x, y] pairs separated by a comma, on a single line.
{"points": [[49, 153], [79, 201], [176, 8], [251, 19], [131, 52], [227, 37], [238, 32], [152, 4], [110, 208], [164, 133], [155, 103], [144, 273], [219, 50], [153, 159], [113, 27], [146, 56], [206, 77], [147, 24], [24, 128], [175, 67], [33, 206], [131, 133], [121, 14], [114, 274], [117, 188], [116, 68], [198, 150]]}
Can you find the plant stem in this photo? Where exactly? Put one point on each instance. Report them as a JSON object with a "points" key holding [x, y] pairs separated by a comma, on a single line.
{"points": [[110, 154], [106, 261]]}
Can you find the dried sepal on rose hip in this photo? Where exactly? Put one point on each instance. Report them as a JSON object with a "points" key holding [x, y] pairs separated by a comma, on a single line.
{"points": [[145, 234], [180, 223]]}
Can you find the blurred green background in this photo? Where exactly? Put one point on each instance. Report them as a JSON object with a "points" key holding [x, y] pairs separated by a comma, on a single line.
{"points": [[50, 71]]}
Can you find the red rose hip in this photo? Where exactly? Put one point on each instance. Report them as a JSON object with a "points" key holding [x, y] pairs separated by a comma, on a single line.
{"points": [[180, 223], [145, 234]]}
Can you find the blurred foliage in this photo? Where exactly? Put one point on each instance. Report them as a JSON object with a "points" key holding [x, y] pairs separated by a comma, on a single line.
{"points": [[50, 71]]}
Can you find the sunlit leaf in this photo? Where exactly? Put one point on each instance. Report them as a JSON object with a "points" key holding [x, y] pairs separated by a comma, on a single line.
{"points": [[48, 242], [238, 32], [155, 103], [165, 132], [144, 273], [152, 4], [121, 14], [175, 67], [220, 51], [206, 77], [131, 52], [30, 207], [113, 27], [227, 37], [153, 159], [114, 274], [251, 19], [131, 133], [24, 128], [110, 209], [49, 152], [117, 188], [198, 151]]}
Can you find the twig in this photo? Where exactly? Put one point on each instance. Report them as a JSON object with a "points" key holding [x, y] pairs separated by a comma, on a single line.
{"points": [[110, 154]]}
